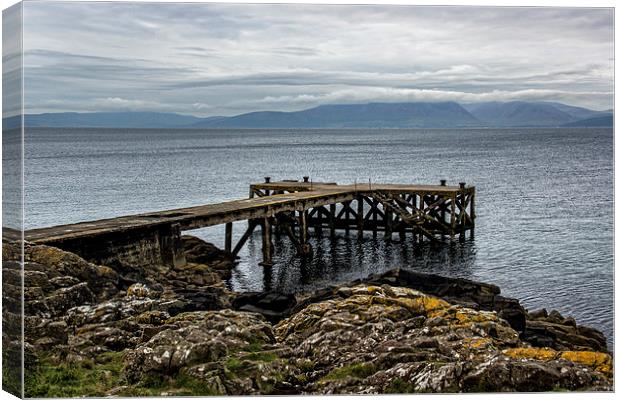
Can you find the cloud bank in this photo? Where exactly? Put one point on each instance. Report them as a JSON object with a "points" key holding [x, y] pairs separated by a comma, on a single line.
{"points": [[225, 59]]}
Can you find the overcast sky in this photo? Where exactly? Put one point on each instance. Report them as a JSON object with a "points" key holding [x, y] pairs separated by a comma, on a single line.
{"points": [[228, 59]]}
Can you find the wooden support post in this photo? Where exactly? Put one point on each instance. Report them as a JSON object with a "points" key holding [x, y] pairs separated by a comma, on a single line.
{"points": [[267, 243], [318, 228], [252, 223], [228, 237], [472, 213], [360, 216], [332, 220], [414, 208], [443, 213], [303, 227], [453, 216], [388, 224], [347, 216], [375, 209]]}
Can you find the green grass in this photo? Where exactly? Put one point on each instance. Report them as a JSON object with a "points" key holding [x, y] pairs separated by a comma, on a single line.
{"points": [[53, 379], [11, 379], [359, 370], [180, 385], [262, 356], [400, 386], [254, 346], [234, 364], [89, 379]]}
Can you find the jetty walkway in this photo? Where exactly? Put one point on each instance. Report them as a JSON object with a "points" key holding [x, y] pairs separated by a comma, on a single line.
{"points": [[425, 212]]}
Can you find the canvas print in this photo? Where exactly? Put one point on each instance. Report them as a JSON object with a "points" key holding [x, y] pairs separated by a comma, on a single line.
{"points": [[205, 199]]}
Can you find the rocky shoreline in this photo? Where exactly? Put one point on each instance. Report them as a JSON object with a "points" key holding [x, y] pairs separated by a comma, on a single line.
{"points": [[93, 331]]}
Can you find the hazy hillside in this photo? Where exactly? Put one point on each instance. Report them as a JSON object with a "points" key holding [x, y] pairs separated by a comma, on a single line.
{"points": [[595, 122], [111, 119], [371, 115], [519, 113]]}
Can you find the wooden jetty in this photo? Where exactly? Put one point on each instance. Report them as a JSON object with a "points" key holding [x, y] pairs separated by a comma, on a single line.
{"points": [[424, 212]]}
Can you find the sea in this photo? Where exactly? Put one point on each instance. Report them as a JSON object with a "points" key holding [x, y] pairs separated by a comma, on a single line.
{"points": [[544, 200]]}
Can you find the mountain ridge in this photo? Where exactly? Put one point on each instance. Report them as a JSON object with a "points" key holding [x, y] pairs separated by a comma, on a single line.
{"points": [[447, 114]]}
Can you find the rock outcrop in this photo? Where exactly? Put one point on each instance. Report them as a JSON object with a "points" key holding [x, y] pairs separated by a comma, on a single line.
{"points": [[198, 251], [372, 339], [180, 331]]}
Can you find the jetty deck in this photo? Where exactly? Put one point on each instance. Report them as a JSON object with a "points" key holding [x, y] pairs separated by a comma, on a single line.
{"points": [[290, 207]]}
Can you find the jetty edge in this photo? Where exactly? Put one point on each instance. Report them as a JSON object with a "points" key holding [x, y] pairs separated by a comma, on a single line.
{"points": [[94, 330]]}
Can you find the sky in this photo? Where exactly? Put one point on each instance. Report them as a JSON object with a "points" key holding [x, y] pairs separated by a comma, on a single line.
{"points": [[227, 59]]}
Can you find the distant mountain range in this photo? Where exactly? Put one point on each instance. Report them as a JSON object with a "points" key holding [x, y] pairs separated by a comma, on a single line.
{"points": [[371, 115]]}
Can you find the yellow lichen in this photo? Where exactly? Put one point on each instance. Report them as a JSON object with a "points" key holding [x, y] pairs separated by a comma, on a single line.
{"points": [[373, 289], [467, 316], [536, 353], [422, 305], [598, 361], [477, 343]]}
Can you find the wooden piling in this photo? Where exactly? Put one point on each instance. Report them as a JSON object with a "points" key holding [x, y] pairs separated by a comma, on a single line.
{"points": [[303, 226], [453, 216], [347, 216], [375, 215], [267, 243], [252, 223], [228, 237], [332, 220], [360, 216], [389, 221], [318, 228]]}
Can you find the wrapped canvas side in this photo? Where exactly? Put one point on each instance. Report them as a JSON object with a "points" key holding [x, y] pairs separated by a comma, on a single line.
{"points": [[12, 203]]}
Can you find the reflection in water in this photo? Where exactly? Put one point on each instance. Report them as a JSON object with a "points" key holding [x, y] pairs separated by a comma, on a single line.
{"points": [[346, 258]]}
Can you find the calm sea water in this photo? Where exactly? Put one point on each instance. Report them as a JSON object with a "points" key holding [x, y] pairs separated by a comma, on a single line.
{"points": [[544, 199]]}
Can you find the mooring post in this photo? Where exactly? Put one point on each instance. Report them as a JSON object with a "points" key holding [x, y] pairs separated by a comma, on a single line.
{"points": [[332, 220], [267, 243], [360, 216], [267, 180], [228, 237]]}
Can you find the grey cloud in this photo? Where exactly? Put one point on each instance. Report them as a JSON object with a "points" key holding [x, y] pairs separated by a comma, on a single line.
{"points": [[238, 58]]}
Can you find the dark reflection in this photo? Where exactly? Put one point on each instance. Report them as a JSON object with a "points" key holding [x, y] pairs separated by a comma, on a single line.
{"points": [[347, 257]]}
